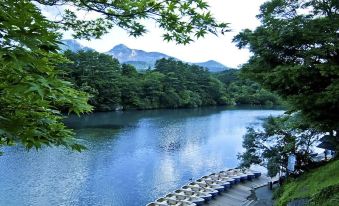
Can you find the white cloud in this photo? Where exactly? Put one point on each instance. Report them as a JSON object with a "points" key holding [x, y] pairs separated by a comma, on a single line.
{"points": [[239, 13]]}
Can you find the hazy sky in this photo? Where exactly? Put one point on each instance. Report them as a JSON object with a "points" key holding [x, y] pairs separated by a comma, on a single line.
{"points": [[239, 13]]}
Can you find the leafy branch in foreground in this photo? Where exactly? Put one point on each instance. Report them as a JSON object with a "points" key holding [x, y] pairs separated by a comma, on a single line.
{"points": [[31, 92], [181, 21], [279, 138], [296, 54], [171, 84]]}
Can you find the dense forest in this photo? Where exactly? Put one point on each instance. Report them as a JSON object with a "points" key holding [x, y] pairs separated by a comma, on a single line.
{"points": [[294, 54], [171, 84], [32, 93]]}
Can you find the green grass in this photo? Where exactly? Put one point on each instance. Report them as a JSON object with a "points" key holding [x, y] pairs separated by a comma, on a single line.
{"points": [[318, 185], [329, 196]]}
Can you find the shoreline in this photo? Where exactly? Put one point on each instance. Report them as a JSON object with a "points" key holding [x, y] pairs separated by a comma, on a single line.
{"points": [[230, 187]]}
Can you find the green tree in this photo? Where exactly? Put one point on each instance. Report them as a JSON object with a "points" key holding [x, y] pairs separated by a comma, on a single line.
{"points": [[242, 91], [31, 92], [97, 74], [129, 71], [296, 54], [280, 137], [131, 93], [180, 20], [131, 87], [152, 90], [172, 84]]}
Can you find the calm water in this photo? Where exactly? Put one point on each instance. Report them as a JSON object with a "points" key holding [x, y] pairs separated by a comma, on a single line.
{"points": [[133, 157]]}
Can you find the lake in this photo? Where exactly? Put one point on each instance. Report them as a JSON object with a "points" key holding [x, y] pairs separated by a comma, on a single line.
{"points": [[132, 158]]}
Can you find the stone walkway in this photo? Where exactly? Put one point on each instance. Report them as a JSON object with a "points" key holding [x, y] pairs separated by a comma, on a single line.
{"points": [[263, 196], [239, 194]]}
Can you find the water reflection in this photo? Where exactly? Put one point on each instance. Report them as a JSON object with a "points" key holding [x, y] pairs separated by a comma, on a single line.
{"points": [[133, 157]]}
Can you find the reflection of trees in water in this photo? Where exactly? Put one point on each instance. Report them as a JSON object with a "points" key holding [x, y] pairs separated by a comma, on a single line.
{"points": [[96, 132], [97, 138], [168, 124], [171, 146], [130, 118]]}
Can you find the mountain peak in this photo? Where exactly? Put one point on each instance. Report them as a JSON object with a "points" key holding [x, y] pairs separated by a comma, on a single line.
{"points": [[139, 58], [120, 47], [73, 45], [212, 61], [73, 41], [213, 66]]}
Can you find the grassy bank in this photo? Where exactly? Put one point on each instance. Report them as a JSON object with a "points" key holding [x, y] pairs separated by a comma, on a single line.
{"points": [[320, 185]]}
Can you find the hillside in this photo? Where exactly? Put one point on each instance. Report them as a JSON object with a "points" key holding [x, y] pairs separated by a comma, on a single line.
{"points": [[73, 45], [140, 59], [320, 185], [125, 54], [213, 66]]}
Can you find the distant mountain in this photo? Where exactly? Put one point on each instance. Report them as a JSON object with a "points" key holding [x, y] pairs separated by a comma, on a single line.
{"points": [[124, 54], [140, 65], [213, 66], [140, 59], [143, 60], [73, 45]]}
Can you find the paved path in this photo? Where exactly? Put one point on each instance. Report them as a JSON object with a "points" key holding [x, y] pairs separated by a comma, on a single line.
{"points": [[263, 196], [238, 194]]}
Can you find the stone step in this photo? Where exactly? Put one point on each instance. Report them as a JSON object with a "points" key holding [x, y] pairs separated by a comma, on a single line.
{"points": [[247, 203], [238, 194]]}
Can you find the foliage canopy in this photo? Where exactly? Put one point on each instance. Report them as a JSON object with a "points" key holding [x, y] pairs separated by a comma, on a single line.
{"points": [[31, 92], [280, 137], [172, 84], [320, 186], [296, 54], [181, 21]]}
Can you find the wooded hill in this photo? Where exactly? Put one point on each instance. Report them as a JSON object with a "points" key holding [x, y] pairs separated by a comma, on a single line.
{"points": [[172, 84]]}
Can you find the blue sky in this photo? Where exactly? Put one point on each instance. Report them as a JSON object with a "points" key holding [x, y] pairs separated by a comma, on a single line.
{"points": [[239, 13]]}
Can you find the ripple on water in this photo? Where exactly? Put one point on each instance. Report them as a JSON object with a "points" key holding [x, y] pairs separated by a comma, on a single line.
{"points": [[133, 157]]}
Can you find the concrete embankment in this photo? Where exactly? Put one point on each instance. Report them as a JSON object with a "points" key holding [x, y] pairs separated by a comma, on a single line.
{"points": [[244, 194], [232, 187]]}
